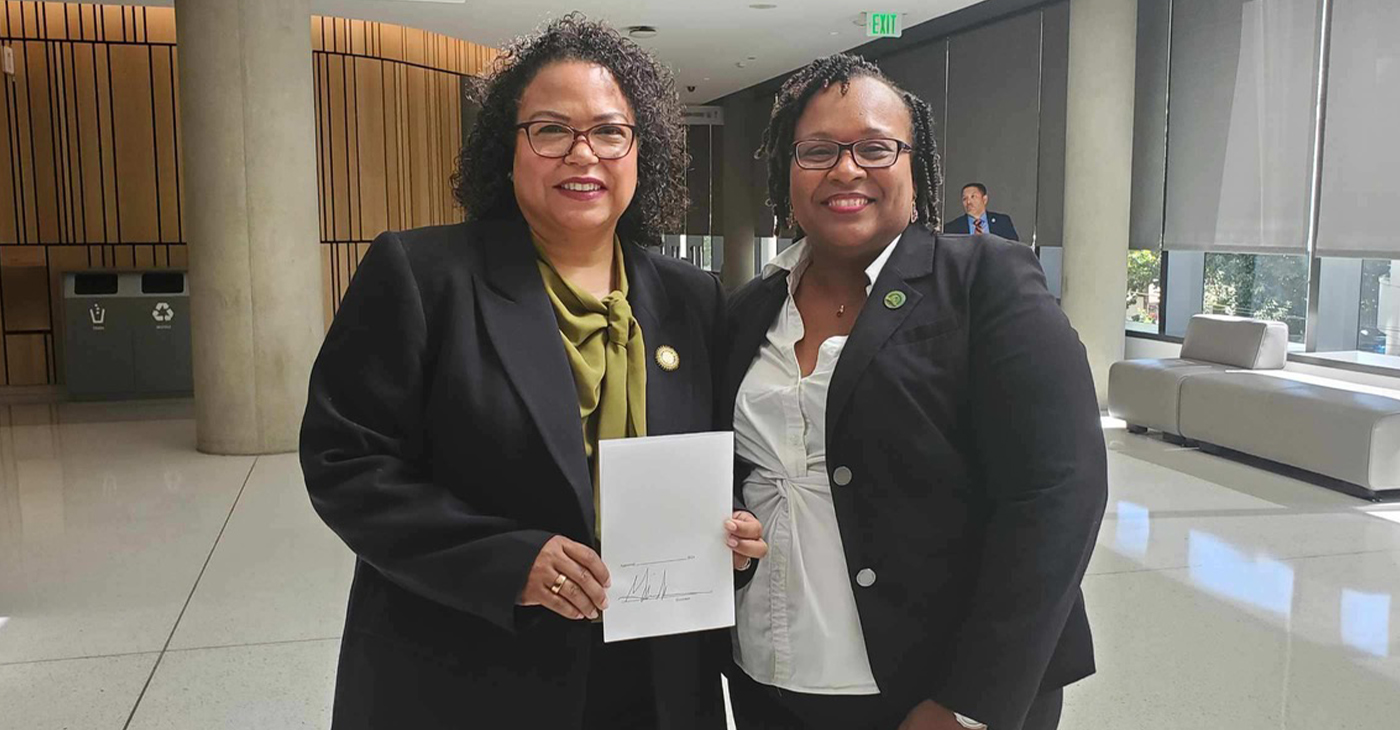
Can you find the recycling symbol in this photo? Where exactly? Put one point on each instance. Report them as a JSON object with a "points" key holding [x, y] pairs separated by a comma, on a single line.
{"points": [[163, 313]]}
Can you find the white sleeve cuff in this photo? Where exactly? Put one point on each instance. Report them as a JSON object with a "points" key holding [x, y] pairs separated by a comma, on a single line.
{"points": [[968, 722]]}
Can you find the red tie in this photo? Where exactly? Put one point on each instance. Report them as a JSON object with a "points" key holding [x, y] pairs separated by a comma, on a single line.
{"points": [[978, 222]]}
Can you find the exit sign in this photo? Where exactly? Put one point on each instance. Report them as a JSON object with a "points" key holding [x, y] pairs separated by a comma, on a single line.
{"points": [[883, 25]]}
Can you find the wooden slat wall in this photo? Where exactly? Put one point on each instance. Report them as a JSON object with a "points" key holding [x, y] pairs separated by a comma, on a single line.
{"points": [[89, 176], [90, 170], [389, 125]]}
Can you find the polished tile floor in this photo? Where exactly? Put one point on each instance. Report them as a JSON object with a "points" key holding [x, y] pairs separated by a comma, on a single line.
{"points": [[143, 585]]}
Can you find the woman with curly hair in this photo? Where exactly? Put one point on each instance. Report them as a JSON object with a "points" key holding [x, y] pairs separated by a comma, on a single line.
{"points": [[918, 432], [455, 410]]}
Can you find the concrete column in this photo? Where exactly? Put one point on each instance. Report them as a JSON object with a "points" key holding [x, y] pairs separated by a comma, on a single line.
{"points": [[248, 138], [1098, 170], [739, 192]]}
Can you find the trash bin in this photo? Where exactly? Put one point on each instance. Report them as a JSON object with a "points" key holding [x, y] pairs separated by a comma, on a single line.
{"points": [[128, 334], [97, 343]]}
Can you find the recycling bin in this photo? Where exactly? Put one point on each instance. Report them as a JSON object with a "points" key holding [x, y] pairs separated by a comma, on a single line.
{"points": [[127, 334]]}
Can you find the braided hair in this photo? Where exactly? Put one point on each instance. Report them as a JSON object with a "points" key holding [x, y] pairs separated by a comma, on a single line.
{"points": [[792, 100]]}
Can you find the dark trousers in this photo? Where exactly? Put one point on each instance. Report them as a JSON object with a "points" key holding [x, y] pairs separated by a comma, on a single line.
{"points": [[761, 707], [393, 691], [621, 694]]}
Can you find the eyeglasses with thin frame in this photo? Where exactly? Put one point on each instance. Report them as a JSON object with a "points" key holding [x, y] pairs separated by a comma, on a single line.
{"points": [[554, 140], [869, 154]]}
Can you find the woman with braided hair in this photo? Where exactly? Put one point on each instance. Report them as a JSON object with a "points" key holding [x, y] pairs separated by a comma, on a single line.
{"points": [[918, 433]]}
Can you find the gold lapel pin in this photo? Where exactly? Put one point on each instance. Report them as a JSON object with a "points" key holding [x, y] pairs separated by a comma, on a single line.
{"points": [[668, 358]]}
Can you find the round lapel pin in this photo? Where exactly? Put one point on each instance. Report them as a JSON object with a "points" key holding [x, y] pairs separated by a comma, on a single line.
{"points": [[668, 358], [895, 299]]}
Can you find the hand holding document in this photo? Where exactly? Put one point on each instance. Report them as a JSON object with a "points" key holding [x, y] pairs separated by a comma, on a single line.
{"points": [[664, 503]]}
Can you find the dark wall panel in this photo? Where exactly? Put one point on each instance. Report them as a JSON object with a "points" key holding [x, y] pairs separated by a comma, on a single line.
{"points": [[923, 71], [1054, 89], [993, 125], [760, 110], [698, 179]]}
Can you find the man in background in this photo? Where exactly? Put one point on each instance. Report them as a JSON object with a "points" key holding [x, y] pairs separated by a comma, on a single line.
{"points": [[978, 218]]}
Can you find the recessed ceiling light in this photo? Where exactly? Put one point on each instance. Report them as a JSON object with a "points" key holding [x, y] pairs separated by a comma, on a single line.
{"points": [[707, 78], [642, 31], [836, 32], [742, 64], [763, 6]]}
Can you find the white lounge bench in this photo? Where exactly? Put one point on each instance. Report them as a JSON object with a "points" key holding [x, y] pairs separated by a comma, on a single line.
{"points": [[1214, 395], [1146, 393]]}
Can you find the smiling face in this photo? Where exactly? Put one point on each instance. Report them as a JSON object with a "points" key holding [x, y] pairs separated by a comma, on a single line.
{"points": [[578, 194], [848, 208]]}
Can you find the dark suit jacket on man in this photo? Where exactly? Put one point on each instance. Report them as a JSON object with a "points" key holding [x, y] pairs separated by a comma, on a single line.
{"points": [[442, 442], [968, 420], [998, 224]]}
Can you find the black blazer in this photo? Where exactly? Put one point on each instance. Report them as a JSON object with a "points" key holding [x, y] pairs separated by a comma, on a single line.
{"points": [[998, 224], [442, 442], [968, 420]]}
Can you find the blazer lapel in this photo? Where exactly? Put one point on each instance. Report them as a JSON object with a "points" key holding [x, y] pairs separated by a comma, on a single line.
{"points": [[912, 259], [522, 326], [749, 321], [651, 306]]}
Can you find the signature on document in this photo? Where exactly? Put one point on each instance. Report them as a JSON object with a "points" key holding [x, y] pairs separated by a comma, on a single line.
{"points": [[651, 581]]}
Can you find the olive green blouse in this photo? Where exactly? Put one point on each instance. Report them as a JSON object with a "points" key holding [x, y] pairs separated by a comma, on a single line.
{"points": [[604, 346]]}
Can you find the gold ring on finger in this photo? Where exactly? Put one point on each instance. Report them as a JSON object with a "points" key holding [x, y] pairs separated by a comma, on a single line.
{"points": [[559, 584]]}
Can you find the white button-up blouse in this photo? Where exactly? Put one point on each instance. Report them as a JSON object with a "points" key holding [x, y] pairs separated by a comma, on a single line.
{"points": [[797, 626]]}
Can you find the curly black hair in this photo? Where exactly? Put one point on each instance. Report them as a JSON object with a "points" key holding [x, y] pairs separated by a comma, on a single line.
{"points": [[481, 182], [792, 100]]}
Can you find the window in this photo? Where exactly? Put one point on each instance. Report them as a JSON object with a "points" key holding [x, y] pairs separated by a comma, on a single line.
{"points": [[1257, 218], [1260, 286], [1359, 306], [1144, 290], [1266, 286], [1380, 307]]}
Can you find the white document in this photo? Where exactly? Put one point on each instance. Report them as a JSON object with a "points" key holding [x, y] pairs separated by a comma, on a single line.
{"points": [[664, 503]]}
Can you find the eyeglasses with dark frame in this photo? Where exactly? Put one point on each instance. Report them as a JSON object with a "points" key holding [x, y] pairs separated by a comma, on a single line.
{"points": [[869, 154], [554, 140]]}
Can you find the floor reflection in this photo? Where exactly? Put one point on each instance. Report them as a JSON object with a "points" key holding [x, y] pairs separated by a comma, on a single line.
{"points": [[1134, 529], [1366, 621], [1221, 568], [1231, 566]]}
